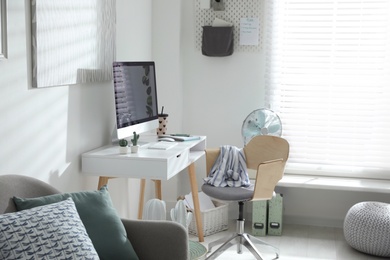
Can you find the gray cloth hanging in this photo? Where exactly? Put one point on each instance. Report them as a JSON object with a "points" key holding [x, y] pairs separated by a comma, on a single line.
{"points": [[217, 41]]}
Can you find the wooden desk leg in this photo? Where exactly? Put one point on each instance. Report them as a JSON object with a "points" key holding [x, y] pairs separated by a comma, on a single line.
{"points": [[141, 198], [195, 198], [158, 194], [157, 189], [102, 181]]}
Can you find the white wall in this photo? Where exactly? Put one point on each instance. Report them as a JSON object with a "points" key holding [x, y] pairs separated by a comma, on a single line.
{"points": [[166, 54], [219, 92], [44, 131]]}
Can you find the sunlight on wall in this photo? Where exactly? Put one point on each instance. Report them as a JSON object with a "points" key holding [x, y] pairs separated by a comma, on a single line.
{"points": [[33, 122], [33, 137]]}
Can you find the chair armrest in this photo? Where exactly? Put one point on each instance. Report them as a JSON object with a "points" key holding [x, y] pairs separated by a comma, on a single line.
{"points": [[211, 156], [157, 239]]}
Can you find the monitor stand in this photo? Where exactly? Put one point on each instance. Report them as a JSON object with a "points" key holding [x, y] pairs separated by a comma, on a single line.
{"points": [[114, 136], [143, 141]]}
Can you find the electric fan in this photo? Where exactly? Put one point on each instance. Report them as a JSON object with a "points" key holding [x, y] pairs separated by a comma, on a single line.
{"points": [[261, 122]]}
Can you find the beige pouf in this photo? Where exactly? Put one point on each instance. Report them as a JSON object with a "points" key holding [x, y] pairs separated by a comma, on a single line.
{"points": [[367, 228]]}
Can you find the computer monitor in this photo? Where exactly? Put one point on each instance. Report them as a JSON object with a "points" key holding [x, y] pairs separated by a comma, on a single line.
{"points": [[135, 97]]}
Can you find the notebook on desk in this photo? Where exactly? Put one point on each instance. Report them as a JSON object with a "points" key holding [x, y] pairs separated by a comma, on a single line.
{"points": [[162, 145]]}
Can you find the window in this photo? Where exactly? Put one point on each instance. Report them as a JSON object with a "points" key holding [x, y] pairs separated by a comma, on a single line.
{"points": [[328, 78]]}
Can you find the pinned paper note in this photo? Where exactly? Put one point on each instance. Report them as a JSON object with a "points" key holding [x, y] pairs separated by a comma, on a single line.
{"points": [[249, 31]]}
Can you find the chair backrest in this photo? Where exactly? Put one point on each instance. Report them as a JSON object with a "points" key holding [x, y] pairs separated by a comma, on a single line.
{"points": [[267, 155], [211, 156], [21, 186], [264, 148], [260, 149], [268, 175]]}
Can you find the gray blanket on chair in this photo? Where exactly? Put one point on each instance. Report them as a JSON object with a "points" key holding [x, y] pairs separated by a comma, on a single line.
{"points": [[229, 169]]}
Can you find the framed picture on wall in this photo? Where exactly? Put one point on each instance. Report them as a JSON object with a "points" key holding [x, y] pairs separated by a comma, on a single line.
{"points": [[72, 41], [3, 30]]}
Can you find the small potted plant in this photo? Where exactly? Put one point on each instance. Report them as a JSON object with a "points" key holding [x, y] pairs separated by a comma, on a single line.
{"points": [[134, 141], [123, 146]]}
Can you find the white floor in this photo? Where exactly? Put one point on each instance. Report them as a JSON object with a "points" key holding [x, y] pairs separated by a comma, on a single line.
{"points": [[297, 243]]}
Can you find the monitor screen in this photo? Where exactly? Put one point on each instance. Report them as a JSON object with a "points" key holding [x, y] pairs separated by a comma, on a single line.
{"points": [[135, 97]]}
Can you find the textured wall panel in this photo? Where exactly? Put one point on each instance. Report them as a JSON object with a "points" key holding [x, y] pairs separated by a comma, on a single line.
{"points": [[73, 41]]}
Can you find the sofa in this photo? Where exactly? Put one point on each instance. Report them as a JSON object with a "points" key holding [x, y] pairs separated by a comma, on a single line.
{"points": [[149, 239]]}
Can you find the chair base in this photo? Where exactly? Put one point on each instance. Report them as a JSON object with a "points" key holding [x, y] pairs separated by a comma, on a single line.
{"points": [[240, 239]]}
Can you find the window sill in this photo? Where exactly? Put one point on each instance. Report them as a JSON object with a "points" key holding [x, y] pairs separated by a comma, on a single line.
{"points": [[335, 183]]}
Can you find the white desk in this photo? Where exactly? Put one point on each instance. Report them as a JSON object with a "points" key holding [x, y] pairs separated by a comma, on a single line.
{"points": [[106, 162]]}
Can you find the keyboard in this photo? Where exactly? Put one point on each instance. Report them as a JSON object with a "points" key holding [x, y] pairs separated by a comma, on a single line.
{"points": [[162, 145]]}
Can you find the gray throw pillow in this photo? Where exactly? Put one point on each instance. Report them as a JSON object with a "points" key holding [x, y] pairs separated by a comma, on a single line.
{"points": [[52, 231], [100, 219]]}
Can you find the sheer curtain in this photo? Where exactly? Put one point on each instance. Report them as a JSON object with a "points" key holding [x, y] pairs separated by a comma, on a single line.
{"points": [[328, 78]]}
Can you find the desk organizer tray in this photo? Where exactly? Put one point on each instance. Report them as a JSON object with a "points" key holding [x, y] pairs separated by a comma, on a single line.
{"points": [[214, 220]]}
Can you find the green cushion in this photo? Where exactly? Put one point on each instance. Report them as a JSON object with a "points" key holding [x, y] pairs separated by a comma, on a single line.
{"points": [[100, 219]]}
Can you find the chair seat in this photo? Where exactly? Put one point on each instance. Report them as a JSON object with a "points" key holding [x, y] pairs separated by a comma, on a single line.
{"points": [[229, 193]]}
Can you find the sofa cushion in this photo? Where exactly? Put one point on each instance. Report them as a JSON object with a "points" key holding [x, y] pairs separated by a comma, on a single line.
{"points": [[100, 218], [52, 231]]}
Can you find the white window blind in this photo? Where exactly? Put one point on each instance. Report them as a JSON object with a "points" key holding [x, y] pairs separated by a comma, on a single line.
{"points": [[328, 78]]}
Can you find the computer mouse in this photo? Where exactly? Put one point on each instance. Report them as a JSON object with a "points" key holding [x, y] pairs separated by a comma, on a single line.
{"points": [[166, 139]]}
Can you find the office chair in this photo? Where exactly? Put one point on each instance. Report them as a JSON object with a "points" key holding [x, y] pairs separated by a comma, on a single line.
{"points": [[266, 154]]}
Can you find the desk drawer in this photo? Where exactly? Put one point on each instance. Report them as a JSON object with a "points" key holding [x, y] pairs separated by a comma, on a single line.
{"points": [[178, 162]]}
